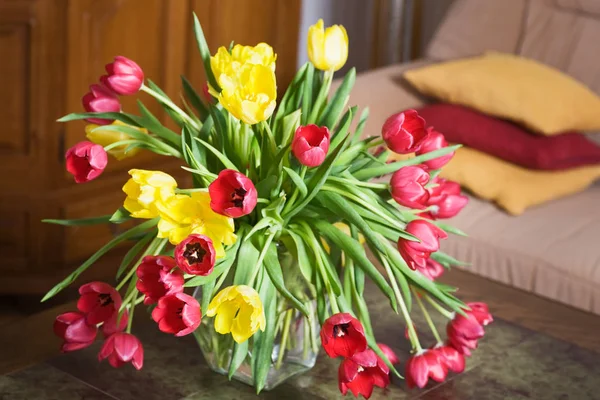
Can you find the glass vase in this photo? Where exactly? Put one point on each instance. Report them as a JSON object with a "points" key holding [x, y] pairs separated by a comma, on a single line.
{"points": [[297, 340]]}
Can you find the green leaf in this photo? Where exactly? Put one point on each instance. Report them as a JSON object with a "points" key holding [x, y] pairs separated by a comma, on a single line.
{"points": [[446, 260], [373, 345], [290, 123], [361, 124], [263, 341], [307, 93], [133, 252], [450, 229], [373, 172], [240, 352], [273, 269], [342, 208], [103, 250], [167, 108], [222, 266], [143, 137], [150, 122], [333, 110], [123, 117], [298, 181], [290, 99], [207, 290], [103, 219], [354, 250], [247, 262], [222, 157], [265, 186], [205, 54], [304, 262], [194, 98], [120, 216]]}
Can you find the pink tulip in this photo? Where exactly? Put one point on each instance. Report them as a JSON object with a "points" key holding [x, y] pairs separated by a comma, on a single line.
{"points": [[416, 254], [232, 194], [178, 314], [100, 99], [110, 326], [73, 329], [434, 141], [362, 372], [311, 144], [99, 301], [158, 277], [86, 161], [404, 132], [389, 353], [432, 269], [422, 366], [408, 186], [124, 77], [464, 332], [121, 348], [451, 357]]}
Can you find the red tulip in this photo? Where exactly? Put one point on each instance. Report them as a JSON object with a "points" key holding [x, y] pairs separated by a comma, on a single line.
{"points": [[86, 161], [124, 77], [422, 366], [121, 348], [195, 255], [207, 96], [434, 141], [177, 313], [389, 353], [404, 132], [453, 360], [99, 300], [408, 186], [464, 332], [110, 326], [158, 276], [432, 269], [446, 198], [311, 144], [232, 194], [343, 335], [74, 330], [362, 372], [416, 253], [100, 99]]}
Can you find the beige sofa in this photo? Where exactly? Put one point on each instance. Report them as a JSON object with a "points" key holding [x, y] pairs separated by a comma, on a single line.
{"points": [[552, 250]]}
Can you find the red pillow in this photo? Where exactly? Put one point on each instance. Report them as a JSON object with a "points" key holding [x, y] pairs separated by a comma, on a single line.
{"points": [[508, 141]]}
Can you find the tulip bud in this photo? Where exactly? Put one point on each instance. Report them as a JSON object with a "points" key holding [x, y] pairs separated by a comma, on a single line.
{"points": [[100, 99], [206, 94], [311, 144], [232, 194], [86, 161], [408, 186], [404, 132], [195, 255], [327, 48], [434, 141], [445, 199], [124, 77]]}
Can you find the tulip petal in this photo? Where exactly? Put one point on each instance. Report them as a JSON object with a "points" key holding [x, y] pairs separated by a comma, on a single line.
{"points": [[125, 346], [225, 314]]}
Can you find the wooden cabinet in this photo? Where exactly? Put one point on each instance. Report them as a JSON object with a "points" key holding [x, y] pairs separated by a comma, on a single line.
{"points": [[50, 52]]}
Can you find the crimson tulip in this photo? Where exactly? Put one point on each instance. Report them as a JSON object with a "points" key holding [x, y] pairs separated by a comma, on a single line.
{"points": [[73, 329], [343, 335], [432, 269], [232, 194], [422, 366], [121, 348], [195, 255], [404, 132], [206, 93], [434, 141], [416, 254], [86, 161], [362, 372], [177, 313], [311, 144], [110, 326], [99, 301], [389, 353], [158, 277], [451, 357], [408, 186], [446, 199], [100, 99], [465, 331], [124, 77]]}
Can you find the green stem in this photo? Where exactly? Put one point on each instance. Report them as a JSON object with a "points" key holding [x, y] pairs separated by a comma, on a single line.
{"points": [[270, 135], [261, 257], [295, 194], [173, 106], [131, 311], [316, 107], [121, 143], [370, 185], [439, 308], [375, 143], [427, 316], [412, 334], [284, 338], [155, 247]]}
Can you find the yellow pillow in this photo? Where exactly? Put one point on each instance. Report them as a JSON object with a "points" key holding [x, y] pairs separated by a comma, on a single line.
{"points": [[525, 91], [511, 187]]}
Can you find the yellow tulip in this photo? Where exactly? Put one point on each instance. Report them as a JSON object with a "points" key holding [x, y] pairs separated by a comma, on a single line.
{"points": [[238, 310], [327, 48], [182, 215], [247, 81], [105, 138], [146, 190]]}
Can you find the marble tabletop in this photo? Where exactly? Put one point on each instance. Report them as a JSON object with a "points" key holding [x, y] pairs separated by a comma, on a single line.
{"points": [[512, 362]]}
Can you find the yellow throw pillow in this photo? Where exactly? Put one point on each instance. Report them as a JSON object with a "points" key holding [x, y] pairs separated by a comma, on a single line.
{"points": [[525, 91], [511, 187]]}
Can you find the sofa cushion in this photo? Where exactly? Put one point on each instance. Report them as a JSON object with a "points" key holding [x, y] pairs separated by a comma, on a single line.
{"points": [[550, 250]]}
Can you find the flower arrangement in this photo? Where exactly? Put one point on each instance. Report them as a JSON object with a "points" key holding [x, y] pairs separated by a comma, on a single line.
{"points": [[272, 233]]}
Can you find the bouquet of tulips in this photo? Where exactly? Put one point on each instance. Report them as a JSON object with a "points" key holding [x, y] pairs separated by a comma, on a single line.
{"points": [[275, 224]]}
